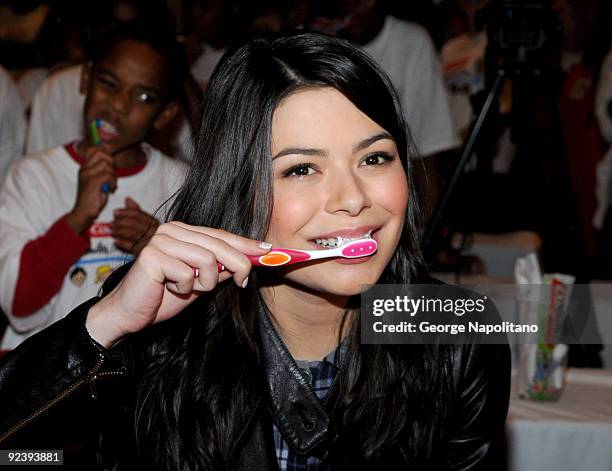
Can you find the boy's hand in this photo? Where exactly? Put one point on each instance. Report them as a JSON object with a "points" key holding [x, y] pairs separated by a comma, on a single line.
{"points": [[132, 227], [98, 169]]}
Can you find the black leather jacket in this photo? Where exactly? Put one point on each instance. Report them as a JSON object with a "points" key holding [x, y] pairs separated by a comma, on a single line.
{"points": [[62, 375]]}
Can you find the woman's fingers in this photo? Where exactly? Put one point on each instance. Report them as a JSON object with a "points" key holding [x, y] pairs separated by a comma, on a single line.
{"points": [[176, 250], [228, 249], [194, 256], [177, 275], [243, 244]]}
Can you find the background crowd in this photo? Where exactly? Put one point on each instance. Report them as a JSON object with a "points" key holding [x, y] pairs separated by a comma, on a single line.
{"points": [[539, 175]]}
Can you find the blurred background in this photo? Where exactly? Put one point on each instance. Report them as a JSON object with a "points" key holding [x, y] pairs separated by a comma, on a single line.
{"points": [[510, 106], [538, 161]]}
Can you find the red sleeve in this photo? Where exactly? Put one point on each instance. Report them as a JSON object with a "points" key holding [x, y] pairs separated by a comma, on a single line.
{"points": [[43, 265]]}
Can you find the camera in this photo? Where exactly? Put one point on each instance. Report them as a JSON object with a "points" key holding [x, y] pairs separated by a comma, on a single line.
{"points": [[520, 31]]}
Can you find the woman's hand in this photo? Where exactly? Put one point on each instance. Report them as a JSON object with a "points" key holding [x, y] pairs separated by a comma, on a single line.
{"points": [[161, 283]]}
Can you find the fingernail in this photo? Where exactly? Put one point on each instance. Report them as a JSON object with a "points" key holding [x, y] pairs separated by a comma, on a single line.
{"points": [[265, 245], [245, 282]]}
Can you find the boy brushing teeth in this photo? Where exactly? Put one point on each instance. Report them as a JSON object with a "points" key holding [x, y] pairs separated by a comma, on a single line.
{"points": [[90, 204]]}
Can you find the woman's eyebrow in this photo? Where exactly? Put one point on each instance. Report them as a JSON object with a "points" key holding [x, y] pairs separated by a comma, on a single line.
{"points": [[323, 153], [371, 140], [301, 151]]}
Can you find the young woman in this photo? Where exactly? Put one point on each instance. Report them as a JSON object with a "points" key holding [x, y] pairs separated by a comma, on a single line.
{"points": [[302, 141]]}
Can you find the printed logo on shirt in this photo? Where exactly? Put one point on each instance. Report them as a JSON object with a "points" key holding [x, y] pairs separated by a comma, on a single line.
{"points": [[100, 248], [100, 229]]}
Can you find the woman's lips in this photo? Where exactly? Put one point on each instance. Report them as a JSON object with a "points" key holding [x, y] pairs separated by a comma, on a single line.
{"points": [[352, 261]]}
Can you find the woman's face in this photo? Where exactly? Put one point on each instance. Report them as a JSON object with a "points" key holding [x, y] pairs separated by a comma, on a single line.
{"points": [[336, 173]]}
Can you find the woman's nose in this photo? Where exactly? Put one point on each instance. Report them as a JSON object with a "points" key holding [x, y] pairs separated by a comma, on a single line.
{"points": [[347, 194]]}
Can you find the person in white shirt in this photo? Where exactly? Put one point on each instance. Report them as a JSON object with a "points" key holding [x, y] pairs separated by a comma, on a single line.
{"points": [[12, 123], [70, 215], [406, 53], [211, 22], [28, 83], [56, 111], [206, 62]]}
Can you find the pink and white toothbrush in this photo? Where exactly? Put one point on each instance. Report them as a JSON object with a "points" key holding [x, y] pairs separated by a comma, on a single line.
{"points": [[363, 247]]}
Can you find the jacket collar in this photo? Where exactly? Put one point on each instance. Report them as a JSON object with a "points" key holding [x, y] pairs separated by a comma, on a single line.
{"points": [[299, 415]]}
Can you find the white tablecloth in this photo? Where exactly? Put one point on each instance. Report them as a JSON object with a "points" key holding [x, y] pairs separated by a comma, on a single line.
{"points": [[573, 434]]}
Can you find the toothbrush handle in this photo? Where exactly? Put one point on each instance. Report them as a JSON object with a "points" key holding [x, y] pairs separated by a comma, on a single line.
{"points": [[281, 257], [295, 256], [287, 257]]}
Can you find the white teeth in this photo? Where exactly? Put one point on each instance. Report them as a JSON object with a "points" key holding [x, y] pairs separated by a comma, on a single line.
{"points": [[334, 242], [327, 242]]}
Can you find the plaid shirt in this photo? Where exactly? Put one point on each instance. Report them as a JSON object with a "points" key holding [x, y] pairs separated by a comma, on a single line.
{"points": [[320, 374]]}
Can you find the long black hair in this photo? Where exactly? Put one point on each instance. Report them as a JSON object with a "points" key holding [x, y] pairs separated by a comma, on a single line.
{"points": [[202, 369]]}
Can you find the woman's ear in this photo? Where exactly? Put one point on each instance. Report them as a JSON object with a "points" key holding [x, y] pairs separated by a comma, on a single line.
{"points": [[86, 73], [166, 115]]}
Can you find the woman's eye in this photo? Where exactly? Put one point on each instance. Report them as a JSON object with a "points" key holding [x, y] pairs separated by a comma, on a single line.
{"points": [[377, 159], [300, 171]]}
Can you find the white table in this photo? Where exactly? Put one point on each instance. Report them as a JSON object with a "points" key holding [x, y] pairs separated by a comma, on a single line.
{"points": [[573, 434]]}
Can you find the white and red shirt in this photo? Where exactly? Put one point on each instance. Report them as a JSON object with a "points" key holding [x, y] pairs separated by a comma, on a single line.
{"points": [[46, 269]]}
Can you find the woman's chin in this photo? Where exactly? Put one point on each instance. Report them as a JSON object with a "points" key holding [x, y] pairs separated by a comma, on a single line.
{"points": [[348, 290], [345, 285], [335, 278]]}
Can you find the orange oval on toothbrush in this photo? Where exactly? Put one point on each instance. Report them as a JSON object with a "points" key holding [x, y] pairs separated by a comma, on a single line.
{"points": [[274, 259]]}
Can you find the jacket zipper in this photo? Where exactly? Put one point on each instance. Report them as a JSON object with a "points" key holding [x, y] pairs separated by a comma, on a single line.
{"points": [[91, 377]]}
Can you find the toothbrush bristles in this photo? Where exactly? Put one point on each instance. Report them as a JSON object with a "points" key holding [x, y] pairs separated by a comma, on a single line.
{"points": [[341, 241]]}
